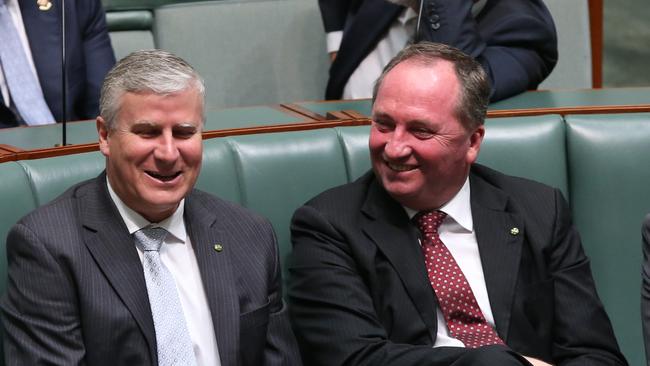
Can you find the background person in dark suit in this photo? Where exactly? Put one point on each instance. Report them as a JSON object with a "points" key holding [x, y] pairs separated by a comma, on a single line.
{"points": [[89, 56], [514, 40], [360, 292], [77, 294], [645, 288]]}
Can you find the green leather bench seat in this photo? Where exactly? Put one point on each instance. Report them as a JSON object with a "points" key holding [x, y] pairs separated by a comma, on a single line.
{"points": [[130, 31], [597, 161], [610, 196], [280, 58]]}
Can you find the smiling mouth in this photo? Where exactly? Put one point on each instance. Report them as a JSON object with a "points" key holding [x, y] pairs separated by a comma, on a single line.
{"points": [[400, 167], [163, 177]]}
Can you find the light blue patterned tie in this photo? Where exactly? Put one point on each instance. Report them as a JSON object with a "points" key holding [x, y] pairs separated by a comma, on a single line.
{"points": [[25, 92], [173, 338]]}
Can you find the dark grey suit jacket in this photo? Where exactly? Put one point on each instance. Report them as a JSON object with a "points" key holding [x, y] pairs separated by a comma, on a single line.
{"points": [[77, 295], [358, 289], [645, 288]]}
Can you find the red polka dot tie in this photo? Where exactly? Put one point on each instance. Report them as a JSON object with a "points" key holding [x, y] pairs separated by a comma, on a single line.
{"points": [[464, 318]]}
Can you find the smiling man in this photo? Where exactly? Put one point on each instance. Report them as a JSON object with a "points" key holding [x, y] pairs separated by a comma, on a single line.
{"points": [[122, 270], [432, 259]]}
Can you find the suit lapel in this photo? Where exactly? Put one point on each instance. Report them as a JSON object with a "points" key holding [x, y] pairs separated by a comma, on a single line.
{"points": [[499, 246], [216, 274], [389, 227], [112, 247]]}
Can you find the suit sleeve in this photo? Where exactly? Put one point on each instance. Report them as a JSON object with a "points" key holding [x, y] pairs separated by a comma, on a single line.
{"points": [[98, 52], [645, 286], [583, 334], [331, 307], [40, 315], [281, 348], [334, 13], [515, 41]]}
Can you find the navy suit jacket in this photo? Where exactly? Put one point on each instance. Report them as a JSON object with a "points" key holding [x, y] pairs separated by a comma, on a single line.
{"points": [[359, 293], [514, 40], [76, 293], [89, 56]]}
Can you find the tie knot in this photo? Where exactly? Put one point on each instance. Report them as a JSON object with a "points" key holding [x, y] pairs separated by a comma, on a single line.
{"points": [[429, 221], [150, 238]]}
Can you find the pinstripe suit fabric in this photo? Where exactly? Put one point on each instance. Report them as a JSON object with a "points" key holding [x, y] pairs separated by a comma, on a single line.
{"points": [[77, 294]]}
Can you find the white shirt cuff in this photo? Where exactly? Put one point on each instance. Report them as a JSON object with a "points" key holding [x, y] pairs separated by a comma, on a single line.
{"points": [[334, 41]]}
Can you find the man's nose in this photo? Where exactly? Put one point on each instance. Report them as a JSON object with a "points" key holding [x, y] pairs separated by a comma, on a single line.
{"points": [[397, 146], [167, 149]]}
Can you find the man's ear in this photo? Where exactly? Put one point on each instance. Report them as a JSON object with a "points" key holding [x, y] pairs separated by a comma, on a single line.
{"points": [[102, 132], [475, 140]]}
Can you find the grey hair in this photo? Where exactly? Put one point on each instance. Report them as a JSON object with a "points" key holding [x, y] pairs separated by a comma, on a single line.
{"points": [[474, 97], [153, 71]]}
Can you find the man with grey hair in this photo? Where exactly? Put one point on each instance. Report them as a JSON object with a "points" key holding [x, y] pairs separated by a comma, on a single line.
{"points": [[432, 259], [135, 267]]}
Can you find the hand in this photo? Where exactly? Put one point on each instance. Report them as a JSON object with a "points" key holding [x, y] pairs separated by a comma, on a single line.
{"points": [[536, 362], [333, 56]]}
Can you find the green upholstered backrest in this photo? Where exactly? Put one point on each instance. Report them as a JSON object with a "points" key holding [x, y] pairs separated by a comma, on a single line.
{"points": [[130, 31], [354, 142], [219, 174], [610, 180], [279, 172], [17, 200], [250, 52], [530, 147], [52, 176], [274, 173], [129, 20]]}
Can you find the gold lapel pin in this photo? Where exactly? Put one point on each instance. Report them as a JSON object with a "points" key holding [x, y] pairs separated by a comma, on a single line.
{"points": [[514, 231], [44, 5], [218, 247]]}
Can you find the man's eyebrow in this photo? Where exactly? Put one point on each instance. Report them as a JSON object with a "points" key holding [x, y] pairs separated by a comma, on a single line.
{"points": [[144, 123], [187, 125], [379, 114]]}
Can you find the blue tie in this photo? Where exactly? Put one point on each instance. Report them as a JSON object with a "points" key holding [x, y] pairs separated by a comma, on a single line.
{"points": [[172, 337], [26, 94]]}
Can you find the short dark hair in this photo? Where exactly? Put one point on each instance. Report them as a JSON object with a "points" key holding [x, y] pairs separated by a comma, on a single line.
{"points": [[474, 95]]}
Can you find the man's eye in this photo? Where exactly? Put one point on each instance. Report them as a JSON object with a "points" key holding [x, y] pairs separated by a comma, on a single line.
{"points": [[146, 132], [382, 126], [422, 133], [184, 133]]}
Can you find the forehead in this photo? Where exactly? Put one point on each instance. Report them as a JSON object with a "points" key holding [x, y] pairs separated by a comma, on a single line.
{"points": [[418, 87], [181, 107]]}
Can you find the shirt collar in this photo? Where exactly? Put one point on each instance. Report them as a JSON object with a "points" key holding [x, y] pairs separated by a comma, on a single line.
{"points": [[407, 15], [174, 224], [459, 208]]}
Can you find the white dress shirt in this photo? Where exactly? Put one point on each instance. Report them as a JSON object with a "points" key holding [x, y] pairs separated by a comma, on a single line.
{"points": [[16, 16], [177, 254], [363, 78], [457, 233], [399, 34]]}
